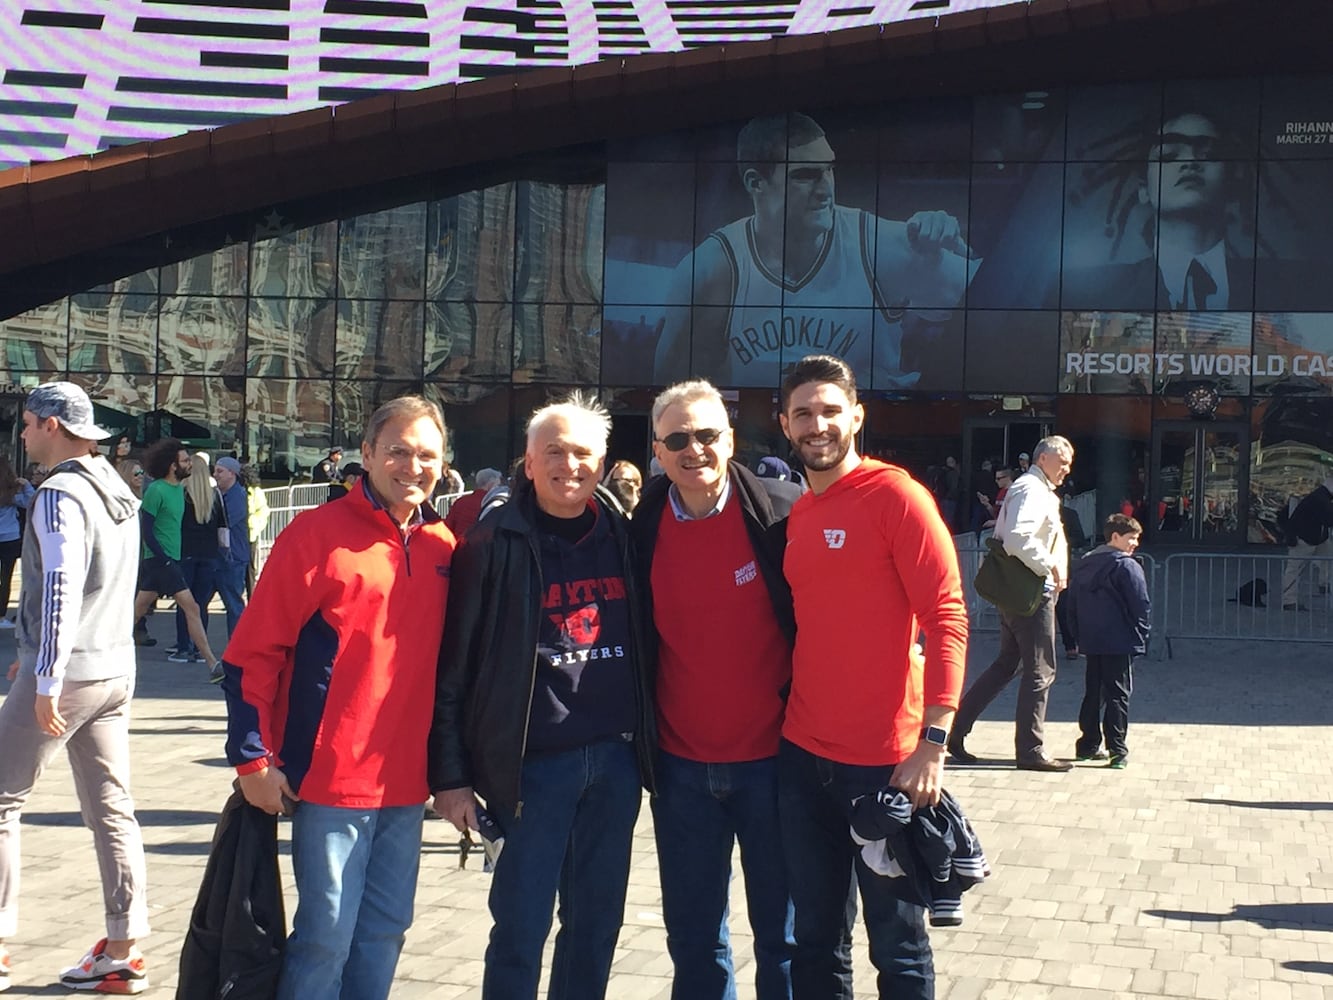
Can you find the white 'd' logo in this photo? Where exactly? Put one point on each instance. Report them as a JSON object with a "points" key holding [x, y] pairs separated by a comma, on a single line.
{"points": [[835, 537]]}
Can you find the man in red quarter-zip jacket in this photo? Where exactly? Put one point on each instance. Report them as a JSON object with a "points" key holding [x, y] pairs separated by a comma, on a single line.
{"points": [[329, 679]]}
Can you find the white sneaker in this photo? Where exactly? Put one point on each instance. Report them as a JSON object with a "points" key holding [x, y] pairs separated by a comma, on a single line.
{"points": [[100, 973]]}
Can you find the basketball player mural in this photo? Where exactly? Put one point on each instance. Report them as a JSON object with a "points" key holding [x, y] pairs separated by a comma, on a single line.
{"points": [[789, 271]]}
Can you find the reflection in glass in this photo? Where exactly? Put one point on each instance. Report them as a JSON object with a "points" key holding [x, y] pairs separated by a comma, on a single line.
{"points": [[288, 423], [560, 233], [1012, 352], [299, 263], [1113, 122], [36, 340], [1198, 483], [557, 343], [222, 272], [132, 395], [470, 246], [918, 350], [1293, 353], [1010, 128], [476, 418], [355, 401], [382, 254], [213, 405], [113, 332], [1106, 352], [1196, 348], [921, 252], [1295, 218], [1292, 453], [201, 335], [379, 338], [630, 335], [290, 337], [1014, 231], [469, 340]]}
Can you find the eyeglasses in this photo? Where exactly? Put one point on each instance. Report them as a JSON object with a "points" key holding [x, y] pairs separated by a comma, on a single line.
{"points": [[398, 453], [680, 440], [137, 472]]}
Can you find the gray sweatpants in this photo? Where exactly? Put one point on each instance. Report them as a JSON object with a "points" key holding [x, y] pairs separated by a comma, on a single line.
{"points": [[98, 740]]}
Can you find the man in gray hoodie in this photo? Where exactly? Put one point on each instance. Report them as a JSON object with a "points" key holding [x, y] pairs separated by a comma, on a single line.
{"points": [[74, 676]]}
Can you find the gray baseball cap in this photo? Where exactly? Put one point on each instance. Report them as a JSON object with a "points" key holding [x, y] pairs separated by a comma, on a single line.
{"points": [[70, 405]]}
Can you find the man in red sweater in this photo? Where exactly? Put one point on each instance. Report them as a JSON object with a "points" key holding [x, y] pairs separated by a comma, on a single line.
{"points": [[709, 540], [871, 564], [467, 508], [329, 678]]}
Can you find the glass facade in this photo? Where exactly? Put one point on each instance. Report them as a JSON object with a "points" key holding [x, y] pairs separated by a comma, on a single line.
{"points": [[1074, 261]]}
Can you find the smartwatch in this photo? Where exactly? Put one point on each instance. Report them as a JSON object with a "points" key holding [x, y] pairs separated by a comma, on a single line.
{"points": [[936, 735]]}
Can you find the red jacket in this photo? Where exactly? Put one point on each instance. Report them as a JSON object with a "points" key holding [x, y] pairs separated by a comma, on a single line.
{"points": [[464, 512], [331, 669]]}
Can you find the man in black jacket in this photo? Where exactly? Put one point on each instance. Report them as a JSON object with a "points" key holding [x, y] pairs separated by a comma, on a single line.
{"points": [[543, 707], [709, 536], [1308, 531]]}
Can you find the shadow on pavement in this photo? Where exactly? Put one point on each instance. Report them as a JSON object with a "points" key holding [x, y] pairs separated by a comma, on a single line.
{"points": [[1292, 806], [1286, 916], [1315, 968], [147, 817]]}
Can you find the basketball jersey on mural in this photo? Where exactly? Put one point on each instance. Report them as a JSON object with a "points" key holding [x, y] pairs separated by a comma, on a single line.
{"points": [[774, 322]]}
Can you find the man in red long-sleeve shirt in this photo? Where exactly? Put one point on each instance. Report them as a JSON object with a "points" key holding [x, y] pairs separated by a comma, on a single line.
{"points": [[871, 564]]}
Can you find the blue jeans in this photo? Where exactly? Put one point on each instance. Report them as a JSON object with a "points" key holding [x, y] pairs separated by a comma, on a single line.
{"points": [[201, 577], [699, 812], [814, 801], [356, 878], [231, 588], [578, 813]]}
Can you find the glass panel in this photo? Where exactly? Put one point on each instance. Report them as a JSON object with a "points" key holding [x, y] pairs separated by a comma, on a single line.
{"points": [[1112, 438], [291, 337], [299, 263], [289, 424], [354, 402], [927, 130], [1012, 351], [128, 396], [470, 246], [1019, 127], [36, 340], [630, 335], [1295, 214], [1222, 473], [469, 340], [205, 412], [1294, 112], [201, 335], [379, 339], [1114, 122], [560, 235], [921, 251], [919, 350], [113, 332], [1293, 353], [1291, 454], [1014, 232], [1204, 348], [557, 343], [1106, 352], [649, 232], [1173, 506], [1109, 238], [477, 420], [382, 255], [222, 272]]}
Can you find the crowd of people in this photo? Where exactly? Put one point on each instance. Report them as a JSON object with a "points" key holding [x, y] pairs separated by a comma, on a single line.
{"points": [[567, 637]]}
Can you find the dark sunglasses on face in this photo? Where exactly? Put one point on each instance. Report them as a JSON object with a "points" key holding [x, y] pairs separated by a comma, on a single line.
{"points": [[680, 440]]}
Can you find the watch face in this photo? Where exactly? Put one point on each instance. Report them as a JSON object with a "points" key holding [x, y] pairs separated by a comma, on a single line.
{"points": [[934, 734]]}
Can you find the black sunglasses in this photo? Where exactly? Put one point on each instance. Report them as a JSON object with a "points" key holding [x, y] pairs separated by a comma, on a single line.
{"points": [[680, 440]]}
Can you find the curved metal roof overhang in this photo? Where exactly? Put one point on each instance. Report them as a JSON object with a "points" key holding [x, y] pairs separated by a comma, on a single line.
{"points": [[55, 211]]}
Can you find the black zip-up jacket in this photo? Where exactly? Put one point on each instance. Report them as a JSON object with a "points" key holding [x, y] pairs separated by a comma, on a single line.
{"points": [[765, 515], [488, 658]]}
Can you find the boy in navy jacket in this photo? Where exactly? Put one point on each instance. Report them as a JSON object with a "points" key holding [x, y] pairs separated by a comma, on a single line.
{"points": [[1109, 613]]}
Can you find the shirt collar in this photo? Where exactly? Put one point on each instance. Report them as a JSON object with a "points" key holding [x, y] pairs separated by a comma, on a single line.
{"points": [[1175, 269], [682, 514]]}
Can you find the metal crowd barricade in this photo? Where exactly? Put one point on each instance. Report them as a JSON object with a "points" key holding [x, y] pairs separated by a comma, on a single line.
{"points": [[444, 501], [981, 614], [307, 494], [1233, 596], [278, 518]]}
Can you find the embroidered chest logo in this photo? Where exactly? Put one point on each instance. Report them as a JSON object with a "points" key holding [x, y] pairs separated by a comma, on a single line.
{"points": [[835, 537], [746, 573]]}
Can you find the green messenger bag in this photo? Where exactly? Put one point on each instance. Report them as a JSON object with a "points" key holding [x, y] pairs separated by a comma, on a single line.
{"points": [[1006, 582]]}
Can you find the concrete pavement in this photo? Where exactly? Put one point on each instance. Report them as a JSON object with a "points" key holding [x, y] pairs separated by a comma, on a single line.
{"points": [[1205, 870]]}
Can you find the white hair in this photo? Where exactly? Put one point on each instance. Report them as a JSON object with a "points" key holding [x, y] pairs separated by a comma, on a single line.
{"points": [[685, 393], [486, 478], [1055, 444], [583, 414]]}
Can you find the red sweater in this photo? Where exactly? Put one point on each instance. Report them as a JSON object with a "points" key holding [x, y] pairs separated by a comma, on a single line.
{"points": [[331, 669], [871, 563], [722, 660]]}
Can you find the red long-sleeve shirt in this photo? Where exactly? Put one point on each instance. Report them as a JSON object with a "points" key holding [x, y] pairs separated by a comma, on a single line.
{"points": [[871, 563]]}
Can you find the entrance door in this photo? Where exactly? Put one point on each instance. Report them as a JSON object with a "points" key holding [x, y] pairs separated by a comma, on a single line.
{"points": [[1000, 440], [1200, 474]]}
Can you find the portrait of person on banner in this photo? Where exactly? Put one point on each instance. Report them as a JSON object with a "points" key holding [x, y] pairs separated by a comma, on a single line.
{"points": [[1170, 227], [781, 270]]}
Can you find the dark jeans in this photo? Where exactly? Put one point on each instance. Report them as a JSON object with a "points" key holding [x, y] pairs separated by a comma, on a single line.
{"points": [[1027, 650], [200, 574], [578, 814], [231, 588], [700, 811], [9, 557], [1067, 637], [815, 804], [1108, 683]]}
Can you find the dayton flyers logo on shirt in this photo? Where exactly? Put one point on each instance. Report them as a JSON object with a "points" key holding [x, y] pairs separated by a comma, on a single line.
{"points": [[835, 537], [746, 573]]}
